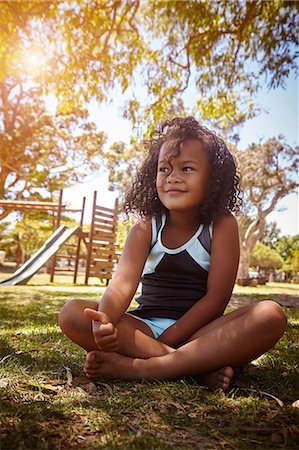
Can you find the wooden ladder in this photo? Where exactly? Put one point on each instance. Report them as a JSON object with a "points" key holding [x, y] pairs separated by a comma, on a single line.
{"points": [[101, 246]]}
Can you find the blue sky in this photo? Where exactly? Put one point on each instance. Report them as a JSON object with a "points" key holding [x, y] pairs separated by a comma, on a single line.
{"points": [[279, 116]]}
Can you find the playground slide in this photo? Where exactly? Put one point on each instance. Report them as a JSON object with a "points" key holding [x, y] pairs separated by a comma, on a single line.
{"points": [[36, 261]]}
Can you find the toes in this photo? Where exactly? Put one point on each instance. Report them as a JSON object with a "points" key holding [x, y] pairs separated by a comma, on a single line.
{"points": [[91, 373], [223, 379], [92, 357], [228, 372], [93, 363], [225, 382], [87, 368]]}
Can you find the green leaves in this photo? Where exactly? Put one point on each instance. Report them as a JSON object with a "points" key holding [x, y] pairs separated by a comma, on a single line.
{"points": [[268, 171], [265, 258], [168, 58], [39, 150], [167, 47]]}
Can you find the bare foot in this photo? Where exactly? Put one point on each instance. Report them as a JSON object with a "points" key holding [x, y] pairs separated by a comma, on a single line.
{"points": [[111, 365], [114, 365], [219, 379]]}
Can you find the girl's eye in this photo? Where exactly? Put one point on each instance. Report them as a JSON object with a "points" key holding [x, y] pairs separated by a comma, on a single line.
{"points": [[187, 169], [163, 169]]}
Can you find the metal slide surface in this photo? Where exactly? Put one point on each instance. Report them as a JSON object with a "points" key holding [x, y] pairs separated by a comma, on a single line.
{"points": [[36, 261]]}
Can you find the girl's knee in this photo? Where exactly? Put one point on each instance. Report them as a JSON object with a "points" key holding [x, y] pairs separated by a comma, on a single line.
{"points": [[65, 315], [72, 312], [272, 317]]}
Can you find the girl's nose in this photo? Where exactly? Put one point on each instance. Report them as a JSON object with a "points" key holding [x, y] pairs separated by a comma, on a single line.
{"points": [[173, 177]]}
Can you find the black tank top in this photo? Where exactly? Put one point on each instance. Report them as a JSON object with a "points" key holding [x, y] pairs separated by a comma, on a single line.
{"points": [[173, 280]]}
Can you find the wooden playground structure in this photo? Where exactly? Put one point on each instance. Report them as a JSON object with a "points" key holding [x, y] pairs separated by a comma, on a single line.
{"points": [[100, 241]]}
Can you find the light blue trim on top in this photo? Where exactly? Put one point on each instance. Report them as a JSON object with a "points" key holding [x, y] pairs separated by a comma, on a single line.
{"points": [[193, 247], [200, 255], [154, 231], [173, 251], [153, 259], [154, 256]]}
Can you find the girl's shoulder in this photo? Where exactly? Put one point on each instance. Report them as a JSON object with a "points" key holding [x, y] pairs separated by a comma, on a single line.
{"points": [[149, 227], [143, 224], [225, 223], [142, 228]]}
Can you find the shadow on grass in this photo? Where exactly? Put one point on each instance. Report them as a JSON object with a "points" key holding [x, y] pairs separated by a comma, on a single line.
{"points": [[135, 415], [143, 415], [35, 424]]}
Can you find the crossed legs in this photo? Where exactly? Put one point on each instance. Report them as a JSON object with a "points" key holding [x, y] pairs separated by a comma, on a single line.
{"points": [[135, 337], [228, 341]]}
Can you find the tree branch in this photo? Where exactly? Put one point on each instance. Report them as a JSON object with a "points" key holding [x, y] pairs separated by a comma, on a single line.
{"points": [[255, 199], [279, 194], [4, 213], [20, 193], [135, 6], [16, 106], [110, 30], [13, 183], [186, 67]]}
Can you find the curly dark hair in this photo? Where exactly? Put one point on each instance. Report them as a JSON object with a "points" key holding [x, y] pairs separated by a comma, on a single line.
{"points": [[223, 195]]}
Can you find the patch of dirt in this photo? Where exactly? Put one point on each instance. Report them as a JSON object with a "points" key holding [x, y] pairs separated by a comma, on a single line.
{"points": [[290, 301]]}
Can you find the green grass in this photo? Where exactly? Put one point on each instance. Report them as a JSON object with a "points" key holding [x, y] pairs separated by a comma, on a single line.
{"points": [[40, 409]]}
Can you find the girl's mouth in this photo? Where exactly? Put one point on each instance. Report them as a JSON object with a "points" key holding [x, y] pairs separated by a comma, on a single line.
{"points": [[174, 191]]}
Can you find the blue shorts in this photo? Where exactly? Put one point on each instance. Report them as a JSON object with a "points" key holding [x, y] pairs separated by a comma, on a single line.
{"points": [[158, 324]]}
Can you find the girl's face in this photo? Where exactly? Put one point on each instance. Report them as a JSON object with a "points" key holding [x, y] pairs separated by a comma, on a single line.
{"points": [[182, 178]]}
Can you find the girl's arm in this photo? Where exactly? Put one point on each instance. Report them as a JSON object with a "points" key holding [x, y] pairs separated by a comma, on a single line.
{"points": [[121, 289], [222, 275]]}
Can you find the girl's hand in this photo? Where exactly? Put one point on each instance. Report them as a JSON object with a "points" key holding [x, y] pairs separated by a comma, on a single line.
{"points": [[104, 332]]}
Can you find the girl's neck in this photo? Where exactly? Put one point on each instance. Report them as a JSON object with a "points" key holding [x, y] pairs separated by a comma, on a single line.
{"points": [[183, 220], [179, 229]]}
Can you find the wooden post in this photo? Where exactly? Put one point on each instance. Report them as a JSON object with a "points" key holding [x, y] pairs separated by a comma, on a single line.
{"points": [[58, 219], [91, 233], [115, 217], [79, 243]]}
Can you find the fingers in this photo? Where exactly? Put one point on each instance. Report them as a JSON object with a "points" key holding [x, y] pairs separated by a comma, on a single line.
{"points": [[105, 336], [104, 332], [103, 329], [97, 315]]}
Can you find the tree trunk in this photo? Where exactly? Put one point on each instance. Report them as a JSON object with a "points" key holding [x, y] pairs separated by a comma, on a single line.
{"points": [[252, 235], [244, 262]]}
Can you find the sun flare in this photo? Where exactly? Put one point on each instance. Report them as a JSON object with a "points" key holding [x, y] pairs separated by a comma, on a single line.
{"points": [[33, 60]]}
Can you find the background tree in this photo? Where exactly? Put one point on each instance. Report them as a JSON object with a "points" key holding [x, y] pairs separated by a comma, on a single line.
{"points": [[39, 150], [216, 52], [29, 231], [271, 235], [288, 248], [34, 228], [295, 263], [265, 259], [94, 47], [268, 171], [123, 161], [92, 50], [4, 227], [212, 44], [172, 45]]}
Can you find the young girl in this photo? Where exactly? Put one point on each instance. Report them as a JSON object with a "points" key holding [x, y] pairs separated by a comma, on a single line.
{"points": [[185, 251]]}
